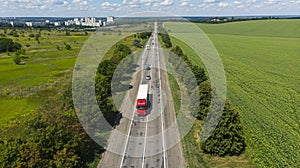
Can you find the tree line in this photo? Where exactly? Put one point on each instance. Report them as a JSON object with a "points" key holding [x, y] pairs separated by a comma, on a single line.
{"points": [[104, 77], [228, 137]]}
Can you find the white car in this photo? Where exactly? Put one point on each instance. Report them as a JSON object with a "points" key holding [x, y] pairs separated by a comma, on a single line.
{"points": [[148, 77]]}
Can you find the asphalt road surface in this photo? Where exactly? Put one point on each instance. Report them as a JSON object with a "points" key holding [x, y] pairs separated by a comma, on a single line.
{"points": [[150, 141]]}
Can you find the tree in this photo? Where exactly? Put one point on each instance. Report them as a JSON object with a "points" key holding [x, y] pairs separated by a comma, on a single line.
{"points": [[31, 35], [68, 47], [120, 52], [7, 45], [166, 39], [228, 137], [205, 98], [37, 36], [68, 33], [18, 57], [137, 43], [199, 74], [107, 68]]}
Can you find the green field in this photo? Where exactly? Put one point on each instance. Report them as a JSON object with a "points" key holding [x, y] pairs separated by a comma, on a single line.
{"points": [[24, 88], [261, 60]]}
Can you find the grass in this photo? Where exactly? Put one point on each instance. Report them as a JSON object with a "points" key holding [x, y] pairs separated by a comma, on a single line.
{"points": [[175, 92], [261, 60], [24, 88]]}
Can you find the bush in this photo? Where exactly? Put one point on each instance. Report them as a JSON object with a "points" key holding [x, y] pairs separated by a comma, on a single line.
{"points": [[228, 137], [68, 47], [7, 45], [17, 59], [31, 35]]}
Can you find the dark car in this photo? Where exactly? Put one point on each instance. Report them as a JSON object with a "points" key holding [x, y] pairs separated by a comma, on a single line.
{"points": [[148, 68]]}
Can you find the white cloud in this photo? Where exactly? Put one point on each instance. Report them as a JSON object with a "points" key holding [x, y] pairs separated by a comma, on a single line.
{"points": [[241, 6], [237, 2], [209, 1], [223, 4], [139, 2], [167, 2], [184, 2], [107, 5], [249, 1]]}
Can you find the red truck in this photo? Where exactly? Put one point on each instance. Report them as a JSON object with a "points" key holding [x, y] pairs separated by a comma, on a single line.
{"points": [[142, 100]]}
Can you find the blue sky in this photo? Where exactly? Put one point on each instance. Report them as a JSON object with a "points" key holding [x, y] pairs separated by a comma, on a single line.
{"points": [[126, 7]]}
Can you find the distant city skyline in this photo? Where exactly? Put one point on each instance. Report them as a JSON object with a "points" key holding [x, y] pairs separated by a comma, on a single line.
{"points": [[82, 8]]}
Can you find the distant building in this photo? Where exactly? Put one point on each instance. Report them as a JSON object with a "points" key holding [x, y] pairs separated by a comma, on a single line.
{"points": [[90, 22], [57, 23], [110, 19], [12, 24], [47, 21], [28, 24]]}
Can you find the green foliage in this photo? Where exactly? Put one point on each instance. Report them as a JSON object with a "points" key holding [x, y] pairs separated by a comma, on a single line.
{"points": [[228, 137], [37, 36], [7, 44], [205, 98], [54, 138], [199, 74], [19, 56], [120, 52], [166, 39], [68, 47], [31, 35], [17, 59], [137, 43], [14, 33], [144, 35], [105, 72]]}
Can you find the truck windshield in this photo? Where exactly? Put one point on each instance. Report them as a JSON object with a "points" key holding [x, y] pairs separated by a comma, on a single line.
{"points": [[141, 107]]}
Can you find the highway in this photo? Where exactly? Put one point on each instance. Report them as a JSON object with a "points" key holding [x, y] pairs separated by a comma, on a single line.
{"points": [[141, 141]]}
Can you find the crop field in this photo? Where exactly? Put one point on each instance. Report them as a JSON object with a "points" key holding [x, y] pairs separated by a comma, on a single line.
{"points": [[261, 60]]}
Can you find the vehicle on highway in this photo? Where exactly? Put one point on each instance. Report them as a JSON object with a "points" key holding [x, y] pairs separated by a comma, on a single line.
{"points": [[148, 68], [148, 77], [142, 100], [147, 47]]}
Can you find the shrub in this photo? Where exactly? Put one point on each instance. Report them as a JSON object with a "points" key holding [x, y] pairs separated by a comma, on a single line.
{"points": [[68, 47], [228, 137], [7, 45]]}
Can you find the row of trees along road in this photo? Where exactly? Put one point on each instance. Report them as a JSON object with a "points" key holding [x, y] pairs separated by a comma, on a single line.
{"points": [[107, 69], [228, 137]]}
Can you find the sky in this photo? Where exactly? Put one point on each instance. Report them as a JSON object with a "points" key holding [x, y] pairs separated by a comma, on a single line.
{"points": [[66, 8]]}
